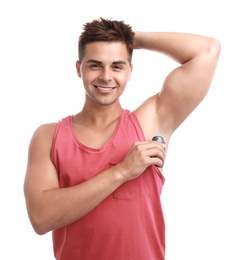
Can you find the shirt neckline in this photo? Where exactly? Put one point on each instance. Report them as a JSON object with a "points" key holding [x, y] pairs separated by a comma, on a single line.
{"points": [[107, 143]]}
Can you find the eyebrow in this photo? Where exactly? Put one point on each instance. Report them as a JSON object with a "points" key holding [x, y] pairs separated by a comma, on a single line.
{"points": [[114, 62]]}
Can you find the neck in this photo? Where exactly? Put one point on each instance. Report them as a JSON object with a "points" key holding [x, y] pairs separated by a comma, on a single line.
{"points": [[100, 115]]}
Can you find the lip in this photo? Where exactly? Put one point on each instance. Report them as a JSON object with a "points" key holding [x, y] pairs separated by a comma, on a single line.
{"points": [[104, 89]]}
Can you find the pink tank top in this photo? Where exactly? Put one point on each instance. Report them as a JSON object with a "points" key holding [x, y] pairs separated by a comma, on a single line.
{"points": [[129, 223]]}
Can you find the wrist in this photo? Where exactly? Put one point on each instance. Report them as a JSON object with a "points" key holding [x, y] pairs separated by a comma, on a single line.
{"points": [[120, 174], [137, 40]]}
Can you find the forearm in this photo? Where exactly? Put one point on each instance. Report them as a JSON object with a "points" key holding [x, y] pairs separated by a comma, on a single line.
{"points": [[181, 47], [59, 207]]}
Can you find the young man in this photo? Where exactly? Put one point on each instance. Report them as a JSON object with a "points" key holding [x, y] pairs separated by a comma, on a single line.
{"points": [[94, 178]]}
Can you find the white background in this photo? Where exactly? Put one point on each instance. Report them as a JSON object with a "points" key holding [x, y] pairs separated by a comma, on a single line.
{"points": [[38, 84]]}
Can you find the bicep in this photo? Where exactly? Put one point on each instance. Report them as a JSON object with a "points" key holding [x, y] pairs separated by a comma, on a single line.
{"points": [[41, 174], [183, 90]]}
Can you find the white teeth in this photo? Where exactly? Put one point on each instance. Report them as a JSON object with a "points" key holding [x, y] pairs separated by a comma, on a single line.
{"points": [[105, 89]]}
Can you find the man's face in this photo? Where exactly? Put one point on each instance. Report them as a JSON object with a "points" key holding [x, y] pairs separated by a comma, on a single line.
{"points": [[105, 70]]}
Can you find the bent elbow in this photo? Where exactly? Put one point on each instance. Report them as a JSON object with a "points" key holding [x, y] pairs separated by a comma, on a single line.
{"points": [[40, 229], [215, 48], [39, 225]]}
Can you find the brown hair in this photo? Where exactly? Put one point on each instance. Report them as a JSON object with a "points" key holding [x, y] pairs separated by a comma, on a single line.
{"points": [[106, 30]]}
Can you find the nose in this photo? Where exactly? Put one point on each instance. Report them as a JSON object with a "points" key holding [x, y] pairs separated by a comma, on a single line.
{"points": [[105, 74]]}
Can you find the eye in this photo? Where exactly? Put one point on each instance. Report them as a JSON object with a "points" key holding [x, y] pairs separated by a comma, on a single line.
{"points": [[94, 66], [117, 67]]}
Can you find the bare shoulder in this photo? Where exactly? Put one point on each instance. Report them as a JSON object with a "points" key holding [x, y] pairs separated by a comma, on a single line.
{"points": [[48, 129], [43, 135]]}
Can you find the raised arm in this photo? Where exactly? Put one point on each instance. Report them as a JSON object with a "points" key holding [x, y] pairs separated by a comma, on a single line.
{"points": [[185, 87]]}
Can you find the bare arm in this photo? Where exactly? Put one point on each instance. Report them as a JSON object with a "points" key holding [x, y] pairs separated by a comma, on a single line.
{"points": [[186, 86], [50, 207]]}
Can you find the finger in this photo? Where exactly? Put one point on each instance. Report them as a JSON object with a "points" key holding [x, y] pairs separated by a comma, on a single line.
{"points": [[157, 152], [150, 149], [157, 162]]}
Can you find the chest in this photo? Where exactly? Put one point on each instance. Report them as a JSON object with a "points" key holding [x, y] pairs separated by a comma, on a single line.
{"points": [[94, 136]]}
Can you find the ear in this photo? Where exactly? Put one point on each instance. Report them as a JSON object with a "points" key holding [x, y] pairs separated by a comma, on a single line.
{"points": [[77, 65]]}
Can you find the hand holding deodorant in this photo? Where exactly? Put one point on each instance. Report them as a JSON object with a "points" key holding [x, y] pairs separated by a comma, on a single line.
{"points": [[159, 139]]}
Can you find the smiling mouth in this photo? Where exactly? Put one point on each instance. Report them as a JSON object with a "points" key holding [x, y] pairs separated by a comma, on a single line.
{"points": [[104, 89]]}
